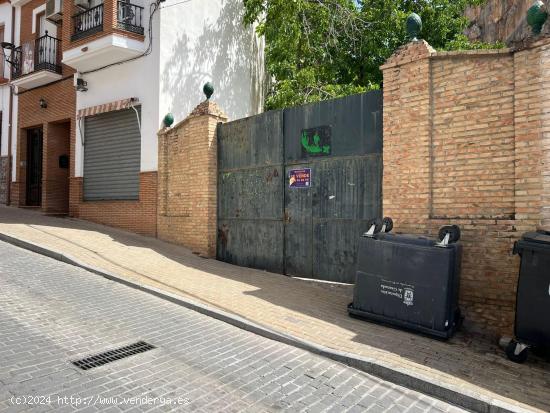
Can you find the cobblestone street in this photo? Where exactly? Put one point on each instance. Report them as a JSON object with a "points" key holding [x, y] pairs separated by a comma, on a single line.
{"points": [[52, 313]]}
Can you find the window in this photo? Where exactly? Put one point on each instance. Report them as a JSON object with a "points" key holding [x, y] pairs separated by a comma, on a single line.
{"points": [[40, 24], [112, 156]]}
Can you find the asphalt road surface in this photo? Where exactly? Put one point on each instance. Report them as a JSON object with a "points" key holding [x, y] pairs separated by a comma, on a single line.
{"points": [[53, 314]]}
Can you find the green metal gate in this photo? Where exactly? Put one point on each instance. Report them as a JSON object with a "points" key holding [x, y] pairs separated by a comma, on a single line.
{"points": [[296, 187]]}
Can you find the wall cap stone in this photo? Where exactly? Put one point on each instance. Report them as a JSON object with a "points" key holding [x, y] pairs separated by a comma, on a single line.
{"points": [[420, 49], [410, 52], [470, 53], [206, 108], [530, 42]]}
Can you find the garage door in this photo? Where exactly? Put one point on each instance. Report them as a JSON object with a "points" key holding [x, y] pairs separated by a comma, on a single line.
{"points": [[112, 153]]}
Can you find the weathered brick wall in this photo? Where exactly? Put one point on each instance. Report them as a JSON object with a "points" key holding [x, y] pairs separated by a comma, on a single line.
{"points": [[464, 139], [187, 195], [473, 145], [136, 216], [545, 132], [407, 133]]}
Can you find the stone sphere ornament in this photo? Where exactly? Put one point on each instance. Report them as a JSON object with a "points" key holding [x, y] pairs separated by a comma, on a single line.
{"points": [[168, 120], [414, 26], [208, 90], [536, 16]]}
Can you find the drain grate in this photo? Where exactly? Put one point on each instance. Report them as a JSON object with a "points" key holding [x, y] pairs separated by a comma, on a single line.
{"points": [[113, 355]]}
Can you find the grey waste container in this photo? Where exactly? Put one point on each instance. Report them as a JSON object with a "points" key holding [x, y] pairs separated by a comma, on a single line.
{"points": [[409, 282], [532, 326]]}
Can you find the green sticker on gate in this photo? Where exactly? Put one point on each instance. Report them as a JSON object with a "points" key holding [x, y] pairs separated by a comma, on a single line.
{"points": [[316, 141]]}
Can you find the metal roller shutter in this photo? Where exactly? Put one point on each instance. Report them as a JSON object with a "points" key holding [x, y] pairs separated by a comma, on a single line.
{"points": [[112, 154]]}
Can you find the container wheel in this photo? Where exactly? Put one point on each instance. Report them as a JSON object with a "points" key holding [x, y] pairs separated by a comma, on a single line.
{"points": [[388, 222], [517, 352], [452, 230], [377, 222], [455, 234], [459, 319]]}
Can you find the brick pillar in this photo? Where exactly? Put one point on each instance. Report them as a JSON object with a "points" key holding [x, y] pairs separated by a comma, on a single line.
{"points": [[407, 136], [545, 138], [187, 180], [528, 108]]}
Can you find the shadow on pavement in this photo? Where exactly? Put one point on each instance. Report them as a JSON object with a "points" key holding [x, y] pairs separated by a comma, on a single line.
{"points": [[310, 310]]}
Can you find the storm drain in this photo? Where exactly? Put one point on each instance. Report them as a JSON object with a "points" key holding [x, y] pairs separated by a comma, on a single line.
{"points": [[113, 355]]}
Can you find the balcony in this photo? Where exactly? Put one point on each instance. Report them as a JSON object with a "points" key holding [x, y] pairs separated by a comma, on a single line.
{"points": [[87, 22], [130, 17], [120, 24], [37, 62]]}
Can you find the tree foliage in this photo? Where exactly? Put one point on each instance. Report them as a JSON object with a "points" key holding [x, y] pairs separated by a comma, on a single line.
{"points": [[320, 49]]}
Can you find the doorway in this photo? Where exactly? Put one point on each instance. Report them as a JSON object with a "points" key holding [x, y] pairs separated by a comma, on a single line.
{"points": [[34, 167]]}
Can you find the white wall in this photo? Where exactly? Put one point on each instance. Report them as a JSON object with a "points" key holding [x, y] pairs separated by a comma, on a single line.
{"points": [[195, 42], [206, 41], [139, 79], [15, 102], [5, 108], [5, 19]]}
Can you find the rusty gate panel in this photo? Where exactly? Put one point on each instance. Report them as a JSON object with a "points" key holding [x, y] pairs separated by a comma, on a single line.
{"points": [[347, 197], [355, 123], [297, 187], [340, 143], [250, 192]]}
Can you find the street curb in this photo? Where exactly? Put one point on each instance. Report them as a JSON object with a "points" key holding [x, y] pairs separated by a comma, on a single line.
{"points": [[397, 375]]}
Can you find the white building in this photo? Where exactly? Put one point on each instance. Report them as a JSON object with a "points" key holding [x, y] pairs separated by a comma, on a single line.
{"points": [[136, 61], [5, 36]]}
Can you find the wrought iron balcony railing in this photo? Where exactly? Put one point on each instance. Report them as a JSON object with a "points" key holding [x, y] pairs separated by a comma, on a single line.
{"points": [[130, 17], [43, 53], [87, 22]]}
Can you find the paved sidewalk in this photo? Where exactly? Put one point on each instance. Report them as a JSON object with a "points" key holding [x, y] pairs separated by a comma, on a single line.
{"points": [[307, 310], [198, 365]]}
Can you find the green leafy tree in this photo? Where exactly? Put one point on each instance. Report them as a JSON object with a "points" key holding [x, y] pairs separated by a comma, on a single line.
{"points": [[321, 49]]}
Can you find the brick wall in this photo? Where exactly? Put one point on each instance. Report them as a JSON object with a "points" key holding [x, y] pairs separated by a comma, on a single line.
{"points": [[187, 196], [136, 216], [109, 25], [55, 182], [27, 35], [57, 121], [465, 143]]}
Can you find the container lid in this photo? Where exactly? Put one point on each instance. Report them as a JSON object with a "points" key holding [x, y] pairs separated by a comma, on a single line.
{"points": [[537, 237]]}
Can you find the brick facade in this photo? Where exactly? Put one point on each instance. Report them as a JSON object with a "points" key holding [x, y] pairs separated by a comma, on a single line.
{"points": [[109, 26], [136, 216], [465, 143], [57, 121], [187, 195], [58, 126], [61, 190]]}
